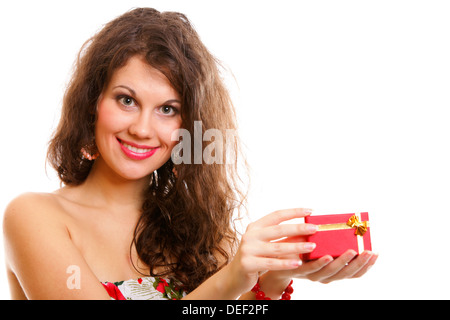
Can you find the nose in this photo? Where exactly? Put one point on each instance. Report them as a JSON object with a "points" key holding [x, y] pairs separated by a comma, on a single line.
{"points": [[142, 126]]}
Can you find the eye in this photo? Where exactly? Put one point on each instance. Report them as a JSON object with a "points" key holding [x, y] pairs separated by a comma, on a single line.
{"points": [[168, 110], [127, 101]]}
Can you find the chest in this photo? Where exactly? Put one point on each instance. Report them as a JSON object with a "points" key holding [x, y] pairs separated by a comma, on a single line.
{"points": [[106, 245]]}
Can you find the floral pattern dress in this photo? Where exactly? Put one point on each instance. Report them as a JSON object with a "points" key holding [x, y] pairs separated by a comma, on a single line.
{"points": [[145, 288]]}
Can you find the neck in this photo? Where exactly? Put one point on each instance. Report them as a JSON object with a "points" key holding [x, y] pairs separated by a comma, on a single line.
{"points": [[106, 189]]}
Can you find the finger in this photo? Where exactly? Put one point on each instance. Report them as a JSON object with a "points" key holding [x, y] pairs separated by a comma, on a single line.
{"points": [[352, 268], [366, 268], [293, 239], [334, 267], [279, 216], [314, 266], [258, 264], [278, 249], [287, 230]]}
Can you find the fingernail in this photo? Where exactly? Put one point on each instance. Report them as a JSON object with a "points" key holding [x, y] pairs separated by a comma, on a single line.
{"points": [[351, 254], [310, 246], [308, 211], [311, 228], [326, 259], [297, 263]]}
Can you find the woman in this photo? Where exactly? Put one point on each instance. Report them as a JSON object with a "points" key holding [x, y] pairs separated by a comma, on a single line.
{"points": [[128, 223]]}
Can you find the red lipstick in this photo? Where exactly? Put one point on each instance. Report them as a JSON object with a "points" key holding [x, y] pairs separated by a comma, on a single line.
{"points": [[136, 151]]}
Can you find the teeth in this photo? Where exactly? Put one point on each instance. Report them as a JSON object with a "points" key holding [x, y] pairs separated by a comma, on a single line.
{"points": [[134, 149]]}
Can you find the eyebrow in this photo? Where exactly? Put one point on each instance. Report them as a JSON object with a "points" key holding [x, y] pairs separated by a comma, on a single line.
{"points": [[128, 88], [173, 101], [133, 93]]}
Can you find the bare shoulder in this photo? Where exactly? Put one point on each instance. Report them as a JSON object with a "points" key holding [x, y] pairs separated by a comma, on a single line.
{"points": [[39, 248], [31, 208], [31, 218], [32, 199]]}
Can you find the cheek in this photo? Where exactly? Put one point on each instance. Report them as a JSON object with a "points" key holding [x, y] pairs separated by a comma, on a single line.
{"points": [[108, 121], [166, 131]]}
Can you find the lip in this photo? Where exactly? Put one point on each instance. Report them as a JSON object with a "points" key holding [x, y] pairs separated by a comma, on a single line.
{"points": [[136, 155]]}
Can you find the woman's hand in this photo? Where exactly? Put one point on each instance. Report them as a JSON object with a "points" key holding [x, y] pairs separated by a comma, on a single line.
{"points": [[347, 266], [268, 245], [259, 250], [326, 270]]}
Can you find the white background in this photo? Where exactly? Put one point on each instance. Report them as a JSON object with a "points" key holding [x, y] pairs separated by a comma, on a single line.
{"points": [[342, 106]]}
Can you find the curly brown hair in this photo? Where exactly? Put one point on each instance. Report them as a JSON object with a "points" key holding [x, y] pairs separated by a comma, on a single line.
{"points": [[187, 220]]}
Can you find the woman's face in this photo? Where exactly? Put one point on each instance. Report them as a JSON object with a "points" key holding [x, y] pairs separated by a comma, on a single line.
{"points": [[136, 115]]}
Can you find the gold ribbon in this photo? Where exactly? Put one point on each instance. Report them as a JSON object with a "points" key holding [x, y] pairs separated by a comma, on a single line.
{"points": [[360, 227], [353, 223]]}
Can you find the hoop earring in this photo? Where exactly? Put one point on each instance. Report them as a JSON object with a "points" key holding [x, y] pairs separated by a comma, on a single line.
{"points": [[87, 155]]}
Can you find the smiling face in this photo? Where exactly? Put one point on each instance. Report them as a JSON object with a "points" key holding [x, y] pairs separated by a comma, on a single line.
{"points": [[137, 113]]}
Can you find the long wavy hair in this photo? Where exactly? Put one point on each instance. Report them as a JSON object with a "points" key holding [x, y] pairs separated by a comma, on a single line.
{"points": [[186, 227]]}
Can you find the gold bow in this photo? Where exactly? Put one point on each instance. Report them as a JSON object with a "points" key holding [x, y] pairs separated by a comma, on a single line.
{"points": [[360, 227]]}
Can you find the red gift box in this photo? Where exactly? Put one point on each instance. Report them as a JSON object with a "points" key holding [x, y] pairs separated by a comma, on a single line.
{"points": [[338, 233]]}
